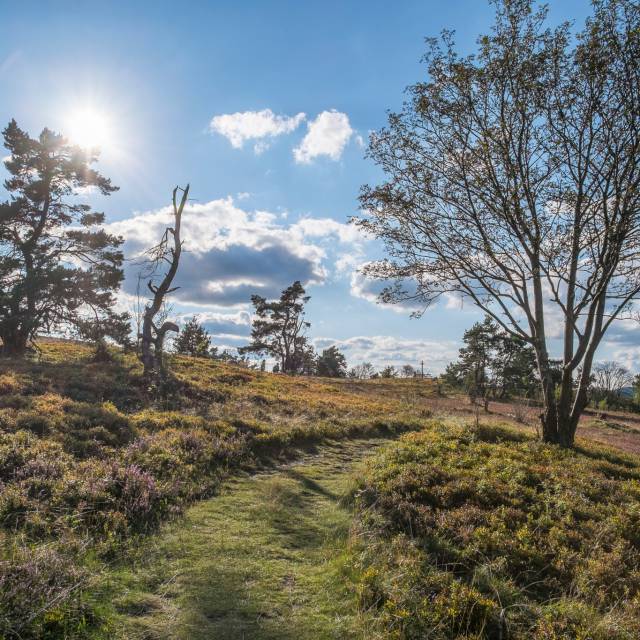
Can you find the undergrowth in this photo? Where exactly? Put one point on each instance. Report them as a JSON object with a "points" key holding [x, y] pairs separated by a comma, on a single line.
{"points": [[88, 463], [466, 532]]}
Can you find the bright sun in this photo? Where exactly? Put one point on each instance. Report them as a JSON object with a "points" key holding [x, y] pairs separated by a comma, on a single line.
{"points": [[89, 128]]}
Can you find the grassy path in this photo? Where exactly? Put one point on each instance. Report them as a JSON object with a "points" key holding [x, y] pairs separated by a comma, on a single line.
{"points": [[263, 560]]}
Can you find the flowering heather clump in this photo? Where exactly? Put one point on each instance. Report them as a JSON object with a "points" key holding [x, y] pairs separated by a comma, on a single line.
{"points": [[41, 593]]}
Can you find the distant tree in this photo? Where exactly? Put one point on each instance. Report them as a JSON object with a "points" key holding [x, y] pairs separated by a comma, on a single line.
{"points": [[513, 365], [263, 365], [166, 252], [512, 180], [471, 371], [278, 329], [332, 363], [362, 371], [305, 360], [57, 265], [193, 340], [408, 371], [636, 389], [225, 356], [114, 327], [389, 372], [492, 363], [608, 381]]}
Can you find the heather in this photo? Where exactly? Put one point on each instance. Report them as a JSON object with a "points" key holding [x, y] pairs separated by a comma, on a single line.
{"points": [[89, 462], [483, 532]]}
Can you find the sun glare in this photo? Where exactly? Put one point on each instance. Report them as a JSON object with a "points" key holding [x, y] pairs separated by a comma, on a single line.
{"points": [[89, 128]]}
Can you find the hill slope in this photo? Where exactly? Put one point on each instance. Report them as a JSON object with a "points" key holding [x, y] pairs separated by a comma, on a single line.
{"points": [[87, 463], [458, 531]]}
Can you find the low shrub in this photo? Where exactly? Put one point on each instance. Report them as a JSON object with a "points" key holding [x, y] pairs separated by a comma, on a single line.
{"points": [[485, 533], [41, 594]]}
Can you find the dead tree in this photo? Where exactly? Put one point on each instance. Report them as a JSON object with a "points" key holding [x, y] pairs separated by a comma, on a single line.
{"points": [[168, 251]]}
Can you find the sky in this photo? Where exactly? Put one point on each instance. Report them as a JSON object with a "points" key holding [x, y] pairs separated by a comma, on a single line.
{"points": [[264, 108]]}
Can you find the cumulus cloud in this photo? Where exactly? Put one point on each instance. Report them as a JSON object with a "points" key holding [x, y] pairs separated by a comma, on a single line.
{"points": [[369, 289], [382, 351], [222, 325], [240, 127], [327, 135], [230, 253]]}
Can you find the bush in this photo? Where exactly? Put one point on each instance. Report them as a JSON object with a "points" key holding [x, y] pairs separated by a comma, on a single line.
{"points": [[484, 533], [41, 594]]}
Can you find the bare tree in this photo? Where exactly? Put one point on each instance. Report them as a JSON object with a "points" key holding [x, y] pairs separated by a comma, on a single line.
{"points": [[362, 371], [408, 371], [167, 251], [610, 378], [513, 181]]}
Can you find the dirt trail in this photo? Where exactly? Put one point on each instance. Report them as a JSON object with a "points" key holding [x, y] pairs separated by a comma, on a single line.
{"points": [[263, 560]]}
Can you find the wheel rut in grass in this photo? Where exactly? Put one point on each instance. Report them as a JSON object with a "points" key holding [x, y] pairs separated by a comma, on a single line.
{"points": [[262, 560]]}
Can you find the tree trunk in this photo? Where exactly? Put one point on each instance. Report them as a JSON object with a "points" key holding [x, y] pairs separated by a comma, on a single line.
{"points": [[14, 343], [561, 414]]}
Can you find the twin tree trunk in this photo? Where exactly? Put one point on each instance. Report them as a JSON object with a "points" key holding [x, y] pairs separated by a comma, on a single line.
{"points": [[153, 337], [563, 403]]}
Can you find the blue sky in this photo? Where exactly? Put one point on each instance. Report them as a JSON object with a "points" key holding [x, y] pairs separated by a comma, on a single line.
{"points": [[263, 108]]}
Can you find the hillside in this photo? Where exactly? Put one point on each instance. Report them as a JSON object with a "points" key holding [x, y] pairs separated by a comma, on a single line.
{"points": [[91, 469], [87, 463]]}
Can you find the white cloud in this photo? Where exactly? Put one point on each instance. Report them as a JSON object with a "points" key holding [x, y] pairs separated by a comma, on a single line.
{"points": [[231, 253], [382, 351], [254, 125], [369, 289], [327, 135], [222, 325]]}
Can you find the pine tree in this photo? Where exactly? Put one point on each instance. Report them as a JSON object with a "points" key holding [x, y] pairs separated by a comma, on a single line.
{"points": [[332, 363], [193, 340], [278, 329], [57, 266]]}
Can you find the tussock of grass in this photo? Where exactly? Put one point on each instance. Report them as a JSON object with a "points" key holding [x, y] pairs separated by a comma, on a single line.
{"points": [[485, 533], [88, 463]]}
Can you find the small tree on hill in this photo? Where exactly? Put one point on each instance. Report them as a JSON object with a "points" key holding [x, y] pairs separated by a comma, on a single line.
{"points": [[471, 371], [492, 363], [362, 371], [608, 381], [193, 340], [408, 371], [116, 327], [332, 363], [57, 266], [278, 329], [389, 372]]}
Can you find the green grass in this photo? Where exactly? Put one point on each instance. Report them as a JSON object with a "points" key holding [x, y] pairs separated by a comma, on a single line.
{"points": [[263, 560]]}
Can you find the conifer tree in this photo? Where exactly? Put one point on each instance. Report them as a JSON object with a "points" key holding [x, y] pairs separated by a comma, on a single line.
{"points": [[58, 267], [278, 329], [193, 340]]}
